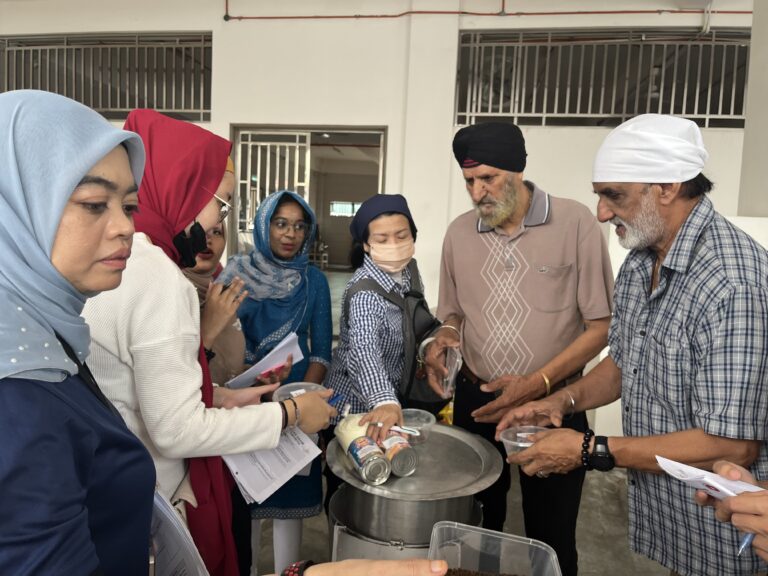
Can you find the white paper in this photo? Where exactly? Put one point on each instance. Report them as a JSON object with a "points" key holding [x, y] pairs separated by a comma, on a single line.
{"points": [[262, 472], [713, 484], [175, 552], [278, 356]]}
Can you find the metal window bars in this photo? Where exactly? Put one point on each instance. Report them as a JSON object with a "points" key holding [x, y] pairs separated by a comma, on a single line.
{"points": [[267, 162], [115, 74], [586, 78]]}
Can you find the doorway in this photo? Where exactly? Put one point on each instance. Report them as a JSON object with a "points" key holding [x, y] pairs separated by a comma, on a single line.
{"points": [[334, 169]]}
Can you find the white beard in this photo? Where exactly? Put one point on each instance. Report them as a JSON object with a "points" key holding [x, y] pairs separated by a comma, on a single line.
{"points": [[646, 228]]}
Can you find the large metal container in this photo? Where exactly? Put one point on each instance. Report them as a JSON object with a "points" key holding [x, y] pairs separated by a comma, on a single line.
{"points": [[346, 543], [454, 465]]}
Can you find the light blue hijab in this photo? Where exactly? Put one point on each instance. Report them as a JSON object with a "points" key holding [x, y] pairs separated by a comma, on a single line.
{"points": [[47, 144]]}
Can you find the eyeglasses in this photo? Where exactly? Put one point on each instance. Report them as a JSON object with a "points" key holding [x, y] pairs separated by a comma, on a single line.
{"points": [[224, 209], [281, 225]]}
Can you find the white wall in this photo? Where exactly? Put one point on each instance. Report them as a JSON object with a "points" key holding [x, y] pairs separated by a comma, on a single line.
{"points": [[397, 73]]}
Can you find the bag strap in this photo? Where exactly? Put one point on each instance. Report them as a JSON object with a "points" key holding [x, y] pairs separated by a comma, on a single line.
{"points": [[87, 376], [370, 285]]}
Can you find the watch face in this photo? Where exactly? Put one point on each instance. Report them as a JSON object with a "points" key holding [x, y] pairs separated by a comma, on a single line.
{"points": [[601, 462], [601, 459]]}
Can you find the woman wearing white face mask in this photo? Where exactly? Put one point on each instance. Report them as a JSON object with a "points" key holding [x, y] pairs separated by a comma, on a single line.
{"points": [[368, 363]]}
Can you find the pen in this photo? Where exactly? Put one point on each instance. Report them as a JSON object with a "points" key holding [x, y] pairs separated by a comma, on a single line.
{"points": [[745, 543], [333, 400]]}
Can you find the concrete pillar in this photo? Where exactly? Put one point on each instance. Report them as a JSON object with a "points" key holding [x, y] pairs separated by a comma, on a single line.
{"points": [[753, 196], [428, 132]]}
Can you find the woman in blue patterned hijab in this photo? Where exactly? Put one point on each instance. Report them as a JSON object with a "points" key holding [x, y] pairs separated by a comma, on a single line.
{"points": [[286, 294], [68, 183]]}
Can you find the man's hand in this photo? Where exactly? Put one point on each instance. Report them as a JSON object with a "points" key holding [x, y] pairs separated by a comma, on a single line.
{"points": [[747, 511], [220, 308], [545, 412], [515, 390], [434, 357], [730, 471], [553, 451], [228, 398]]}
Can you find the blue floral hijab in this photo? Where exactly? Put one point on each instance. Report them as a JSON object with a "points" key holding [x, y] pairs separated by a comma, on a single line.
{"points": [[47, 144], [278, 287]]}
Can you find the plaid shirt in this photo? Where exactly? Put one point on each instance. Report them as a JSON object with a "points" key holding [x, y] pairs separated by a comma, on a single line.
{"points": [[693, 354], [369, 358]]}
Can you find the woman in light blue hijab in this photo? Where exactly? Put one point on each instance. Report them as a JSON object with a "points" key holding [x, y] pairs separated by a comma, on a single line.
{"points": [[76, 485]]}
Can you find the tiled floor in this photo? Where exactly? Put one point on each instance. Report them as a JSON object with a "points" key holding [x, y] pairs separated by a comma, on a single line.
{"points": [[602, 531]]}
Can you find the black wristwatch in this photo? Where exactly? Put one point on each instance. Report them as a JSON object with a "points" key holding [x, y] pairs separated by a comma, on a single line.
{"points": [[601, 458]]}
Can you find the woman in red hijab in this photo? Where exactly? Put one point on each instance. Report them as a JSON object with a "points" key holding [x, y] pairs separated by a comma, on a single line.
{"points": [[147, 352]]}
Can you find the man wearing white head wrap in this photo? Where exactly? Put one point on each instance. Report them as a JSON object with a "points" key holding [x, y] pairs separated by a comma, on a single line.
{"points": [[688, 348], [651, 148]]}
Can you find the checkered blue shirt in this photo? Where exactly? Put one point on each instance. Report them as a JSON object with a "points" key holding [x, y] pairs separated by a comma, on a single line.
{"points": [[693, 354], [370, 357]]}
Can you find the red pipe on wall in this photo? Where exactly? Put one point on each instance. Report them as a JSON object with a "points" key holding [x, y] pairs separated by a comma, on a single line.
{"points": [[502, 12]]}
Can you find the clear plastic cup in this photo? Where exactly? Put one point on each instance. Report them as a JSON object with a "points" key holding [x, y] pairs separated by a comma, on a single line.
{"points": [[422, 421], [487, 552], [517, 438]]}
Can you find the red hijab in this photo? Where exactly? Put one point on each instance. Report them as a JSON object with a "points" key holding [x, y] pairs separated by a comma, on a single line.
{"points": [[185, 165]]}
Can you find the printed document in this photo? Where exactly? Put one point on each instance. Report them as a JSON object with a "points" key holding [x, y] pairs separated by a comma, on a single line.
{"points": [[175, 554], [277, 357], [260, 473], [713, 484]]}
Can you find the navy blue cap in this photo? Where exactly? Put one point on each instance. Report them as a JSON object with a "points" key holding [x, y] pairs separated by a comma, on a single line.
{"points": [[374, 207]]}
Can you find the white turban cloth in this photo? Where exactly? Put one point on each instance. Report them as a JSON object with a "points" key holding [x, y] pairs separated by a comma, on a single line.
{"points": [[651, 148]]}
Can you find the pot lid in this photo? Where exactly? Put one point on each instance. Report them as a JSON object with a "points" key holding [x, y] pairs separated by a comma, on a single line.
{"points": [[452, 463]]}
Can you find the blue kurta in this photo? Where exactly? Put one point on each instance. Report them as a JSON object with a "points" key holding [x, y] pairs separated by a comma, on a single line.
{"points": [[76, 485]]}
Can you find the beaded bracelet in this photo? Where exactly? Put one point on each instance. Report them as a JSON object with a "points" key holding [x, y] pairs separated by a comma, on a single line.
{"points": [[297, 568], [585, 448]]}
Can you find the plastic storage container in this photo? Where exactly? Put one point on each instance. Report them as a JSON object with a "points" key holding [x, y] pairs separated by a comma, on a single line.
{"points": [[481, 551], [422, 421], [295, 389]]}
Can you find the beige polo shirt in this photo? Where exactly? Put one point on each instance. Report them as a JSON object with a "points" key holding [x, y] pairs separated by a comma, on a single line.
{"points": [[524, 297]]}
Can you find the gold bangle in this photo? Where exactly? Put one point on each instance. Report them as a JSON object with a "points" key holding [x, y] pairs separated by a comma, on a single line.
{"points": [[452, 328], [547, 383]]}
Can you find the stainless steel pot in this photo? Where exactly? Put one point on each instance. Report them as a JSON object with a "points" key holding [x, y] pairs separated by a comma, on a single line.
{"points": [[402, 520], [454, 465], [397, 524]]}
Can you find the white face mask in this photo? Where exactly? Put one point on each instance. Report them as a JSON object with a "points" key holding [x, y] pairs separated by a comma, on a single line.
{"points": [[392, 258]]}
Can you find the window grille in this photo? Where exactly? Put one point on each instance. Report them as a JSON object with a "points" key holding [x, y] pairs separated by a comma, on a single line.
{"points": [[597, 77], [114, 74]]}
